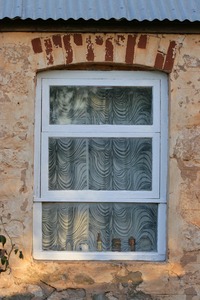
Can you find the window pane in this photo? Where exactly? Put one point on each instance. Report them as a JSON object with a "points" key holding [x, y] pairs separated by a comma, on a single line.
{"points": [[100, 105], [100, 164], [99, 227]]}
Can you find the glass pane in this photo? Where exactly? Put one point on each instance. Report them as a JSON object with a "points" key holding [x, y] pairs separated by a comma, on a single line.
{"points": [[99, 227], [100, 164], [100, 105]]}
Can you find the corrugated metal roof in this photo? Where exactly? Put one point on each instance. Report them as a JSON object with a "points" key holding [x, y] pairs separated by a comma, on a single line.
{"points": [[139, 10]]}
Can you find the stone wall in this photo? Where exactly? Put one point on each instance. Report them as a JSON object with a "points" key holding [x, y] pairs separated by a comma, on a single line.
{"points": [[22, 55]]}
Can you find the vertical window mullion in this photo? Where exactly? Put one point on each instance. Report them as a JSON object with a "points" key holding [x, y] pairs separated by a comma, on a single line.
{"points": [[87, 162], [156, 164], [44, 164]]}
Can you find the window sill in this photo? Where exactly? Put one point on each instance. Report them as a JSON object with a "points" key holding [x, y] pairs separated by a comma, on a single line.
{"points": [[100, 256]]}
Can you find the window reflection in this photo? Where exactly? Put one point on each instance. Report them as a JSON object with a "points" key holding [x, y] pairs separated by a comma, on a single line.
{"points": [[77, 226], [100, 105]]}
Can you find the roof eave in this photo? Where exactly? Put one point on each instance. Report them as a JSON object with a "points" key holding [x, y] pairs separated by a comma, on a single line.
{"points": [[112, 25]]}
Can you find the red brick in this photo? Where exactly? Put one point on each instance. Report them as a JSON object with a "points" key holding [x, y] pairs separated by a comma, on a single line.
{"points": [[99, 40], [142, 42], [68, 48], [48, 50], [90, 51], [130, 49], [159, 60], [57, 41], [37, 45], [169, 61], [78, 40], [109, 50]]}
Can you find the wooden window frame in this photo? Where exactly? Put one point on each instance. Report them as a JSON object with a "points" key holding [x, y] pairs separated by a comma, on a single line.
{"points": [[158, 131]]}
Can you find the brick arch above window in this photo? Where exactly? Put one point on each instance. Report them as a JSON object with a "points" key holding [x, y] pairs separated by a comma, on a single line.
{"points": [[144, 51]]}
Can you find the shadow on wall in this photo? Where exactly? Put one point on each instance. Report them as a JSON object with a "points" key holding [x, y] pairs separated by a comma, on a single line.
{"points": [[124, 287], [81, 294], [121, 288]]}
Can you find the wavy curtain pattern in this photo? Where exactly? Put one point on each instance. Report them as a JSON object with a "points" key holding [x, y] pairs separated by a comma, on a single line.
{"points": [[75, 226], [100, 105], [100, 164]]}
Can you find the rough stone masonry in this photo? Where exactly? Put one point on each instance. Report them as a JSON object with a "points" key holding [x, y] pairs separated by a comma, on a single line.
{"points": [[22, 56]]}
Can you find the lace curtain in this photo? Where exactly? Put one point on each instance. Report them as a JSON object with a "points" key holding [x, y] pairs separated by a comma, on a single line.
{"points": [[75, 226], [100, 164], [101, 105]]}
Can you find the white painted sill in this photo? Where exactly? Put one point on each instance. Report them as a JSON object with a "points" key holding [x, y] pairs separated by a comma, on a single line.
{"points": [[96, 256]]}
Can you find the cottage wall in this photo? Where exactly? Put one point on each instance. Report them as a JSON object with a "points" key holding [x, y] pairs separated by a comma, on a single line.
{"points": [[22, 56]]}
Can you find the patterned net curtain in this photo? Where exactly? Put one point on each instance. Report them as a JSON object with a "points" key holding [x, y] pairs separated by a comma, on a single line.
{"points": [[100, 164]]}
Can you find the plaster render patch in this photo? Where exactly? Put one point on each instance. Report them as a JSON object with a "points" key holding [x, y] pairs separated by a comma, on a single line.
{"points": [[99, 47], [83, 279], [190, 291], [186, 152], [120, 39], [24, 205], [120, 48], [191, 279], [24, 188], [134, 277], [189, 257], [191, 61], [4, 77], [4, 98], [188, 171], [16, 55], [16, 228]]}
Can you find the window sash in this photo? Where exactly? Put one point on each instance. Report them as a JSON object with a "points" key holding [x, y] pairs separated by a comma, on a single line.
{"points": [[81, 81], [39, 253], [101, 196], [68, 226]]}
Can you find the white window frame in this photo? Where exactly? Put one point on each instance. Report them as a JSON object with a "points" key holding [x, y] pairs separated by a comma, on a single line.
{"points": [[158, 131]]}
